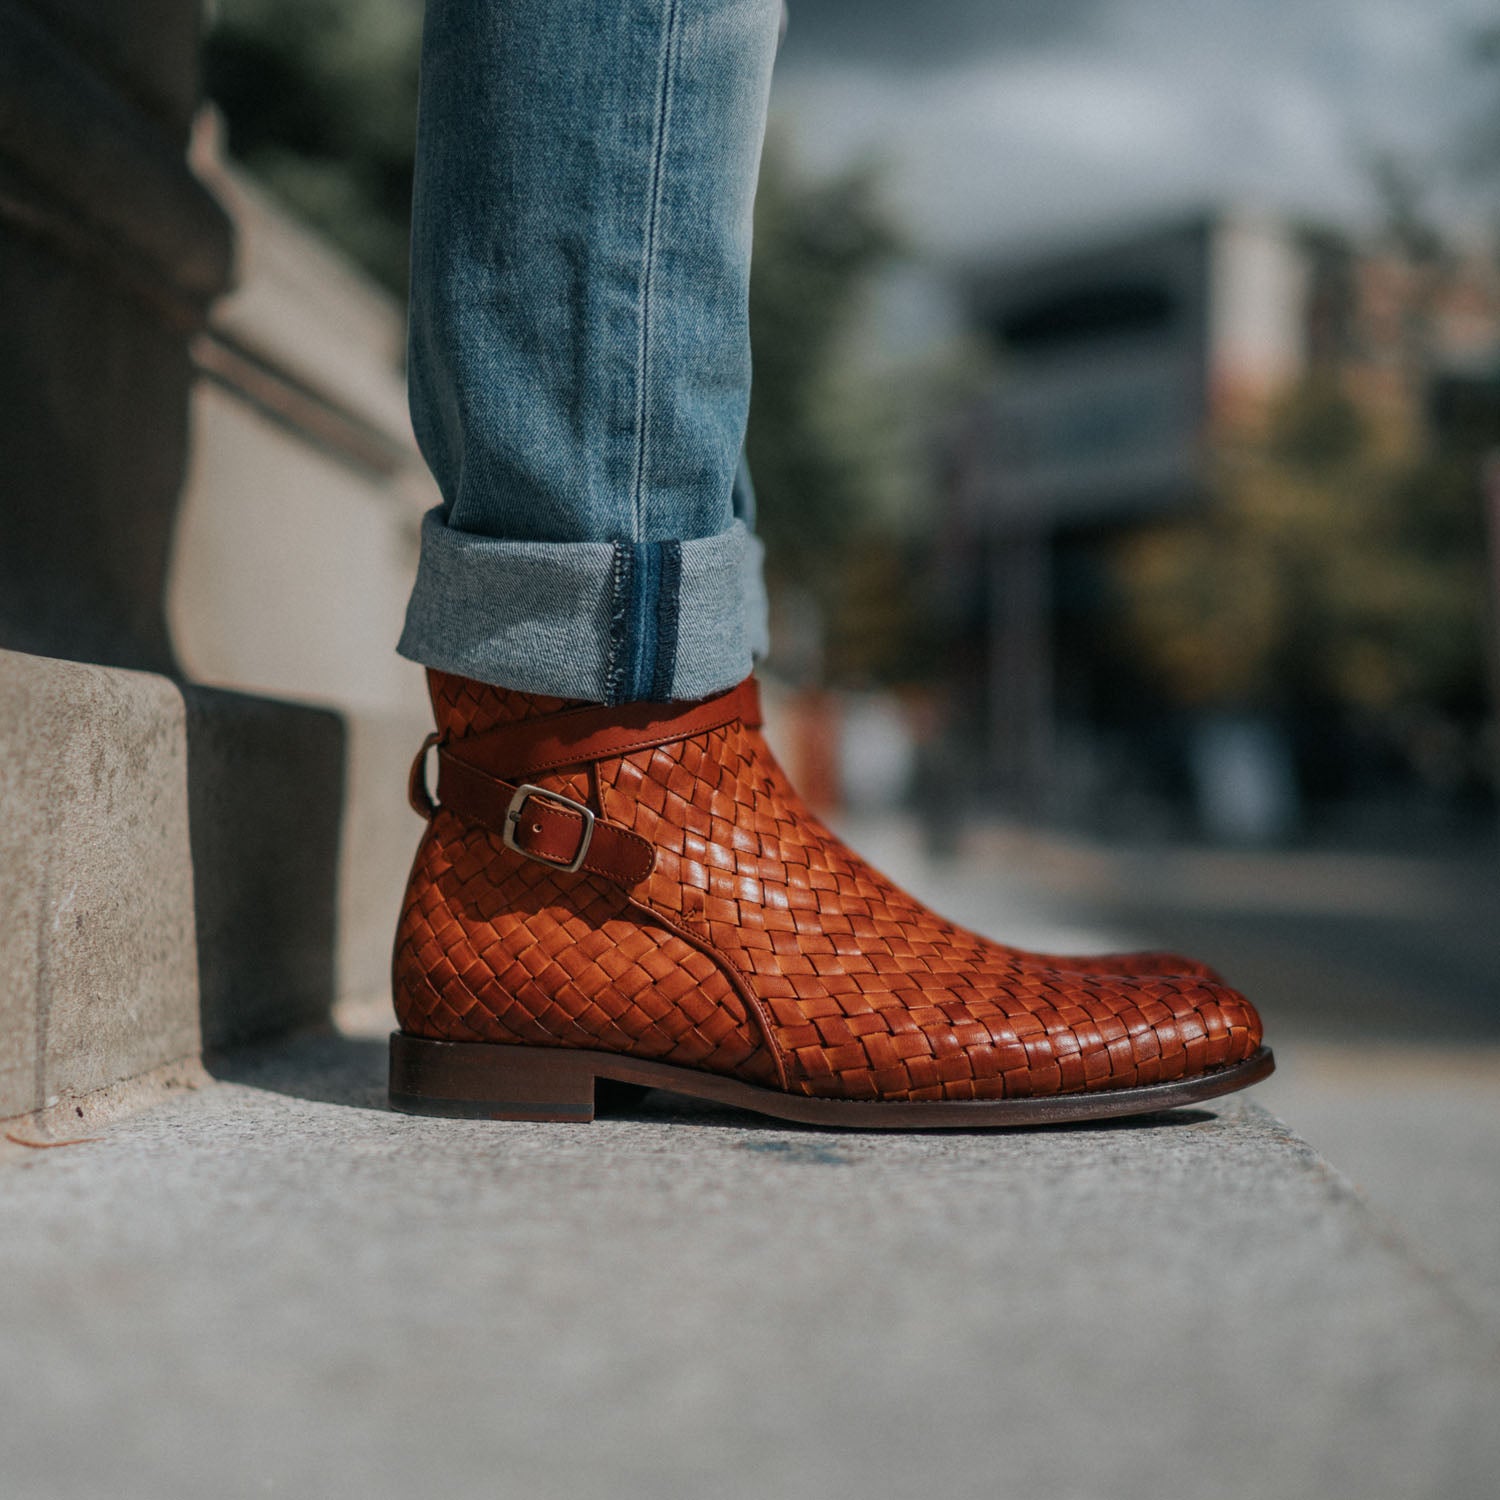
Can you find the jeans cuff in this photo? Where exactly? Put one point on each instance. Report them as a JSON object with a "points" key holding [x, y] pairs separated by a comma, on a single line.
{"points": [[610, 622]]}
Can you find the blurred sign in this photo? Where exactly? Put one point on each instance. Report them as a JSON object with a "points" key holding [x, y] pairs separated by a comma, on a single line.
{"points": [[1114, 432], [1115, 358]]}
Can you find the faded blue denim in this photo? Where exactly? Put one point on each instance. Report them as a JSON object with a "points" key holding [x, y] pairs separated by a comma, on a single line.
{"points": [[579, 343]]}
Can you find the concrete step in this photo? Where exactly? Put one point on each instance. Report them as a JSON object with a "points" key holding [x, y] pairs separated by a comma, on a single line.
{"points": [[273, 1285], [183, 866], [1417, 1129], [1376, 975]]}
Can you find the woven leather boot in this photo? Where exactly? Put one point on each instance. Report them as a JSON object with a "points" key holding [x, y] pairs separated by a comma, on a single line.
{"points": [[637, 895]]}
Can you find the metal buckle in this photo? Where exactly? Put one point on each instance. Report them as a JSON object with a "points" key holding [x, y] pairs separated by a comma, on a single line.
{"points": [[524, 793]]}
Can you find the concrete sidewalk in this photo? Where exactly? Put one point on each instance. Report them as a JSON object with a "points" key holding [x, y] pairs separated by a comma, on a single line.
{"points": [[273, 1286], [1378, 976]]}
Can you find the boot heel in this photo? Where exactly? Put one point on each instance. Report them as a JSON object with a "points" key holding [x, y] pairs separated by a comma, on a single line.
{"points": [[489, 1081]]}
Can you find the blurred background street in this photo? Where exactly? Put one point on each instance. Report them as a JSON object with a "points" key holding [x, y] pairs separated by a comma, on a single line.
{"points": [[1127, 376]]}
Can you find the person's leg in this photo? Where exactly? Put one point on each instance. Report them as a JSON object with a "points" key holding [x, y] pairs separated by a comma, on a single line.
{"points": [[579, 359], [629, 889]]}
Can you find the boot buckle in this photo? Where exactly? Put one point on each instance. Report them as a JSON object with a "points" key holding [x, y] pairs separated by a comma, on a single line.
{"points": [[523, 794]]}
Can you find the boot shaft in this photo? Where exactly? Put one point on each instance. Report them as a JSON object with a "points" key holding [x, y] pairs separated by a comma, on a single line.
{"points": [[461, 706]]}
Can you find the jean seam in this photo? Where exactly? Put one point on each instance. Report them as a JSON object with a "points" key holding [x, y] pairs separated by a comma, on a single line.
{"points": [[668, 612], [648, 265], [645, 580], [619, 624]]}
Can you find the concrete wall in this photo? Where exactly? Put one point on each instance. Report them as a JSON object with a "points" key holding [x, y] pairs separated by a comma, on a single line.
{"points": [[302, 477], [208, 523], [111, 251]]}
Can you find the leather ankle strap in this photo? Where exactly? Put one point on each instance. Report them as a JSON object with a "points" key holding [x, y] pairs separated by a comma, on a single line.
{"points": [[479, 777], [577, 736]]}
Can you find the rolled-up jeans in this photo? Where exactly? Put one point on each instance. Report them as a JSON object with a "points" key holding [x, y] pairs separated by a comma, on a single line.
{"points": [[579, 358]]}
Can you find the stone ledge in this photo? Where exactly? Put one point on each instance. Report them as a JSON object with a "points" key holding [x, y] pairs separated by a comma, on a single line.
{"points": [[97, 939], [328, 1299], [185, 866]]}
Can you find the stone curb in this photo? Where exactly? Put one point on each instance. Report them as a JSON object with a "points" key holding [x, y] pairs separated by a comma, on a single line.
{"points": [[184, 867]]}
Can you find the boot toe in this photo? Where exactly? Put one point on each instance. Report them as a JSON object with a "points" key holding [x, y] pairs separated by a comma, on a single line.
{"points": [[1081, 1034], [1182, 1028]]}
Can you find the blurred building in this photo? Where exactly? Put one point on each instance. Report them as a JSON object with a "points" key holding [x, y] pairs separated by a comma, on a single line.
{"points": [[1126, 366]]}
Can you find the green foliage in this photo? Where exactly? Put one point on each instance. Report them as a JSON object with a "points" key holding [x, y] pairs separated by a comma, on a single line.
{"points": [[1326, 572], [817, 245], [320, 97], [840, 439]]}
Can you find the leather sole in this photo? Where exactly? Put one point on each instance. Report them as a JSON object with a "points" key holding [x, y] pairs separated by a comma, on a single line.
{"points": [[490, 1081]]}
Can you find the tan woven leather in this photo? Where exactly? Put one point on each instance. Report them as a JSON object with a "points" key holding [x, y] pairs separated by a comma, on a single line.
{"points": [[760, 946]]}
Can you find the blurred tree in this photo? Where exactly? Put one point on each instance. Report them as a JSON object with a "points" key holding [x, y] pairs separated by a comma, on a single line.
{"points": [[320, 100], [1327, 574], [842, 435], [1340, 567], [818, 246]]}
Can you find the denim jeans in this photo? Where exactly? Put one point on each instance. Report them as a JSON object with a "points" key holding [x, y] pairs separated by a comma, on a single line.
{"points": [[579, 345]]}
